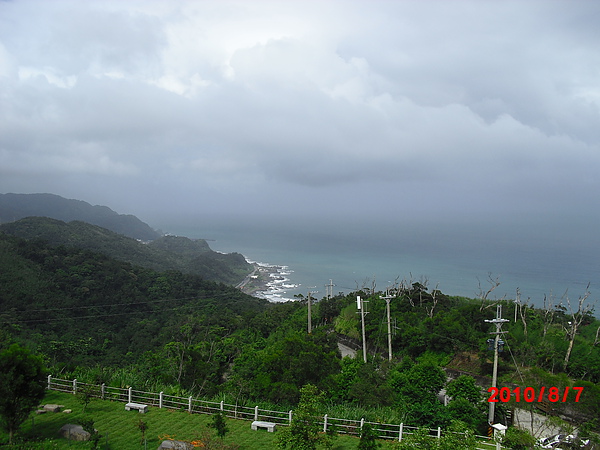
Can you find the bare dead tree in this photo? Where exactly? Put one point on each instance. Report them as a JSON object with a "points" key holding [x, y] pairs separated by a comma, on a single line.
{"points": [[435, 299], [522, 312], [548, 313], [424, 282], [394, 289], [597, 339], [576, 321], [400, 287], [494, 283], [409, 284], [369, 290]]}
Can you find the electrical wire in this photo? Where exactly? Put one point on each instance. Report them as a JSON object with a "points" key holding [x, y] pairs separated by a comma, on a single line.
{"points": [[514, 361], [73, 308], [96, 316], [108, 305]]}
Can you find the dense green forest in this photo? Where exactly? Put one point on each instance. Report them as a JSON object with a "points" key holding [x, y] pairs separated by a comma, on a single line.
{"points": [[102, 320], [18, 206], [162, 254]]}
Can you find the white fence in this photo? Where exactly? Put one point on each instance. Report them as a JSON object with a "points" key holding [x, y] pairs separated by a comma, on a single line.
{"points": [[192, 405]]}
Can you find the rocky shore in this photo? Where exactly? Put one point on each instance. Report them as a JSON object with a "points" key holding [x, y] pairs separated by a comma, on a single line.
{"points": [[264, 281]]}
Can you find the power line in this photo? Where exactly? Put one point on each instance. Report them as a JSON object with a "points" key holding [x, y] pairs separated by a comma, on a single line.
{"points": [[95, 316], [73, 308], [66, 308]]}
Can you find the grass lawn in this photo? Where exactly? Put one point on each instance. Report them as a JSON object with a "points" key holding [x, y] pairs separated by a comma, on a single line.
{"points": [[119, 428]]}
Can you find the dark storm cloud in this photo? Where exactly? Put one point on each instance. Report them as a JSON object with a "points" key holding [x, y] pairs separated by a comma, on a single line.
{"points": [[456, 106]]}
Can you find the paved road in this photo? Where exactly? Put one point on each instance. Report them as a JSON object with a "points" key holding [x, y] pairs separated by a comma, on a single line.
{"points": [[346, 351]]}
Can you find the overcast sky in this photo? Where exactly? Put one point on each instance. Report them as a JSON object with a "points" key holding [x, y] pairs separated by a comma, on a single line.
{"points": [[305, 108]]}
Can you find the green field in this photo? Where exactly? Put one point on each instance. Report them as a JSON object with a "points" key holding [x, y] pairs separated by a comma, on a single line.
{"points": [[119, 428]]}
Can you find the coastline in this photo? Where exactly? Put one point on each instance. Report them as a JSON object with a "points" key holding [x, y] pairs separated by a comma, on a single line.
{"points": [[267, 281]]}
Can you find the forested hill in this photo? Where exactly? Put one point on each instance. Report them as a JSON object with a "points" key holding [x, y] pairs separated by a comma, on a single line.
{"points": [[18, 206], [106, 321], [81, 307], [162, 254]]}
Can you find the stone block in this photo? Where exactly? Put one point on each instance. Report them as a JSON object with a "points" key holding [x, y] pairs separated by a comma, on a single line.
{"points": [[52, 408], [74, 432], [175, 445]]}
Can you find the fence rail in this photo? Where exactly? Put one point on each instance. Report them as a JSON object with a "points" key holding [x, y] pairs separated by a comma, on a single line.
{"points": [[197, 406]]}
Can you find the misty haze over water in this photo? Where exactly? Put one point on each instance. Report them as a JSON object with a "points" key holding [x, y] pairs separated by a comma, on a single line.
{"points": [[459, 259], [398, 140]]}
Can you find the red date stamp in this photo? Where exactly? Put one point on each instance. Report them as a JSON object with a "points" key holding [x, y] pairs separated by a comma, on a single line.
{"points": [[529, 394]]}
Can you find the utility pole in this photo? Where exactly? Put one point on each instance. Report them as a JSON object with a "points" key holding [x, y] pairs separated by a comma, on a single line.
{"points": [[387, 299], [360, 303], [330, 289], [498, 321]]}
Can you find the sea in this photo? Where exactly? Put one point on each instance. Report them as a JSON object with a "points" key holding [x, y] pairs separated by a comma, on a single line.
{"points": [[537, 263]]}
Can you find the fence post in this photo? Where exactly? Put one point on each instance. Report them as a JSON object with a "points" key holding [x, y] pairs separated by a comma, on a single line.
{"points": [[325, 423], [160, 399], [362, 423], [190, 404], [256, 413], [439, 432], [75, 386], [49, 381], [129, 394], [400, 434], [221, 405], [290, 416], [103, 390]]}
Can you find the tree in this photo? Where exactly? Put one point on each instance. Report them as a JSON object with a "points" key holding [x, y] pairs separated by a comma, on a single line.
{"points": [[86, 394], [88, 425], [303, 432], [143, 427], [417, 389], [464, 387], [577, 319], [219, 424], [279, 370], [368, 438], [22, 386], [457, 437], [494, 283], [466, 404], [518, 439]]}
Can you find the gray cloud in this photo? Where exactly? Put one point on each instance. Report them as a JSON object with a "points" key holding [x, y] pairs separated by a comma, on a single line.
{"points": [[451, 106]]}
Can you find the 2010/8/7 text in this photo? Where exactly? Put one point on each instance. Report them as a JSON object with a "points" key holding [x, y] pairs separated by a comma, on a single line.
{"points": [[530, 395]]}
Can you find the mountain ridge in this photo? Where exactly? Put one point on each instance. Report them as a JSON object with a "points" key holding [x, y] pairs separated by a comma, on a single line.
{"points": [[69, 222], [165, 253], [18, 206]]}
